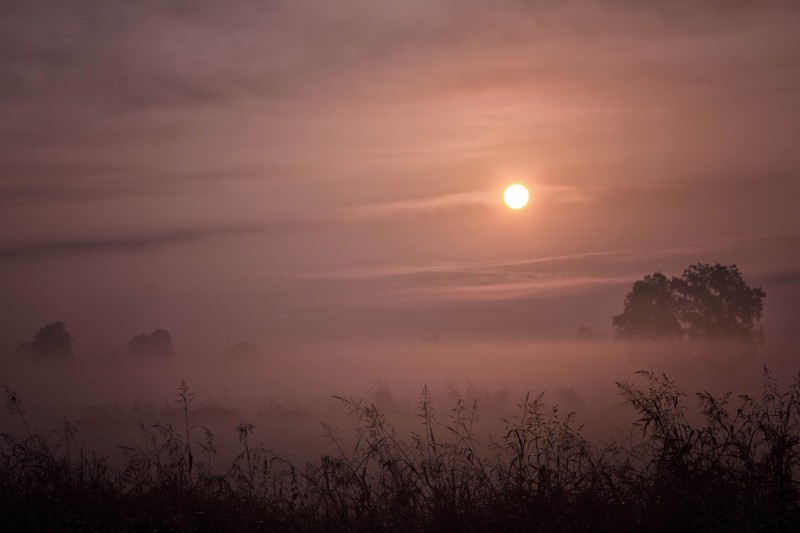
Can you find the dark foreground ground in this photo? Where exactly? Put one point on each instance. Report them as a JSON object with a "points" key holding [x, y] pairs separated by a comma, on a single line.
{"points": [[737, 470]]}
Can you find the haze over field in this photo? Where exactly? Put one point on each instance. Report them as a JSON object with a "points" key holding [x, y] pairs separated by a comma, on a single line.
{"points": [[326, 181]]}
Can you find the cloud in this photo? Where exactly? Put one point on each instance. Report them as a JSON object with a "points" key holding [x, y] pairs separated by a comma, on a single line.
{"points": [[556, 263], [134, 56], [493, 290], [489, 281], [538, 277], [37, 192], [783, 277], [499, 267], [136, 243], [430, 204], [486, 198]]}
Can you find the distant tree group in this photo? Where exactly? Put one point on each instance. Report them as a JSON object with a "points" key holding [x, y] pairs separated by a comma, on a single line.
{"points": [[52, 342], [156, 344], [707, 303]]}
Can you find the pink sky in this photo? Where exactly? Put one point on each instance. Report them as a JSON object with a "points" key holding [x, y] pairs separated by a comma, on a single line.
{"points": [[294, 171]]}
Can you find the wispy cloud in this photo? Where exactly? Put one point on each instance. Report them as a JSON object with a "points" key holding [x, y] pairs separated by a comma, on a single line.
{"points": [[532, 287], [537, 277], [783, 277], [486, 198], [429, 204], [454, 268], [136, 243], [495, 281]]}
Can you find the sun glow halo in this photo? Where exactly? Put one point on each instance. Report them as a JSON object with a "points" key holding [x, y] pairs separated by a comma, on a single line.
{"points": [[516, 196]]}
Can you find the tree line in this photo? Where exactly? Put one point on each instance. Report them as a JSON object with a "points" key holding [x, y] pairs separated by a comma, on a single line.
{"points": [[53, 342], [707, 305]]}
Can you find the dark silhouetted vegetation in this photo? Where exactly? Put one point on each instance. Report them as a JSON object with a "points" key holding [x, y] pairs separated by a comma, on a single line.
{"points": [[711, 305], [650, 311], [52, 342], [736, 470], [156, 344]]}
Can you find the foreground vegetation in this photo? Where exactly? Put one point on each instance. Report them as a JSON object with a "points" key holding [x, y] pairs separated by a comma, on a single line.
{"points": [[735, 471]]}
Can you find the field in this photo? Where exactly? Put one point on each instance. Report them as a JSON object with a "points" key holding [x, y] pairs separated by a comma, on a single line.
{"points": [[700, 462]]}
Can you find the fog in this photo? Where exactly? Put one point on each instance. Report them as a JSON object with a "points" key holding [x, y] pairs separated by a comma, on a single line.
{"points": [[289, 394]]}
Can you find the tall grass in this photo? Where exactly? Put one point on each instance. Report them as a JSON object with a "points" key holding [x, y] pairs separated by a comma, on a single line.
{"points": [[736, 470]]}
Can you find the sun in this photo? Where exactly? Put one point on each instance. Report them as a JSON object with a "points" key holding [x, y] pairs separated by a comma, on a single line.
{"points": [[516, 196]]}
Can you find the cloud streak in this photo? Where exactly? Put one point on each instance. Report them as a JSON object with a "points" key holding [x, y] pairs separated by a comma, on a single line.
{"points": [[135, 243], [540, 277], [421, 205], [556, 194], [488, 291]]}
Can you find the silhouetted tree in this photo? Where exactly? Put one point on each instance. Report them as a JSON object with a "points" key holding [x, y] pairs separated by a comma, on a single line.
{"points": [[714, 301], [156, 344], [708, 303], [650, 311], [52, 341]]}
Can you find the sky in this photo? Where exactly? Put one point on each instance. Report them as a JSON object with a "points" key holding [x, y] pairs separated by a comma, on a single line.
{"points": [[297, 172]]}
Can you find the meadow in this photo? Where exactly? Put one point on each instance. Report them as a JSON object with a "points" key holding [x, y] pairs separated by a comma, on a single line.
{"points": [[705, 461]]}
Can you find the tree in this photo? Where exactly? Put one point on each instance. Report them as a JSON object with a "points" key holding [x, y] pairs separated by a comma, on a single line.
{"points": [[707, 303], [650, 311], [715, 302], [156, 344], [52, 341]]}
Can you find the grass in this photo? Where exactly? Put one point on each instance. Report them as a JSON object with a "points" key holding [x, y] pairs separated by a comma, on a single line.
{"points": [[737, 470]]}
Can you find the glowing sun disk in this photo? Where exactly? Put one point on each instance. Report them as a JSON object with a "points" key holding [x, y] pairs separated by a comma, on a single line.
{"points": [[516, 196]]}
